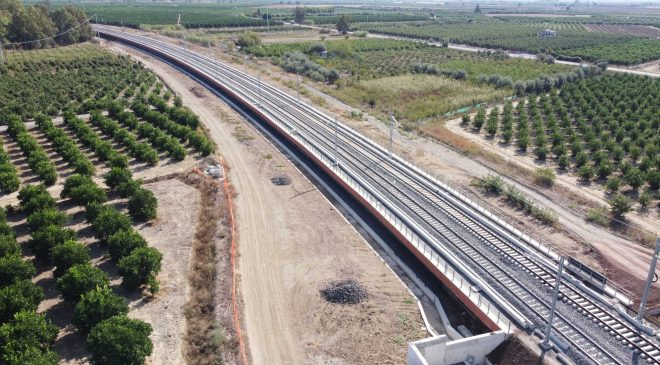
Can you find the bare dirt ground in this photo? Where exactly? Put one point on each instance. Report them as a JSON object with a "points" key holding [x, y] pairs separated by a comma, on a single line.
{"points": [[292, 242], [172, 235]]}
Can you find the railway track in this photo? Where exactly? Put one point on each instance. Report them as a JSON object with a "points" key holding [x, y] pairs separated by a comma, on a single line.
{"points": [[520, 283]]}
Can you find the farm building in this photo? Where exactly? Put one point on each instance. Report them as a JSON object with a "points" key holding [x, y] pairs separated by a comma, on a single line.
{"points": [[548, 33]]}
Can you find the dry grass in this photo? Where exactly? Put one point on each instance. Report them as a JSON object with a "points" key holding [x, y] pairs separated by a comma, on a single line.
{"points": [[205, 337]]}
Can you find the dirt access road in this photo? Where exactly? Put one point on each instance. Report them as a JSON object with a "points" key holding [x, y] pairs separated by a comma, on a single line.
{"points": [[291, 243]]}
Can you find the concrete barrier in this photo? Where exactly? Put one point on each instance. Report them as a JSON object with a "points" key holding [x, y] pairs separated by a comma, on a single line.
{"points": [[439, 350]]}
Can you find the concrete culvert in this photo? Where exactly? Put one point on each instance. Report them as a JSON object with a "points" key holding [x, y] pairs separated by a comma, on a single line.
{"points": [[281, 180], [347, 291]]}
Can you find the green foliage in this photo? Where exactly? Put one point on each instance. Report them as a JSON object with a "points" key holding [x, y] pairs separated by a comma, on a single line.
{"points": [[479, 119], [88, 193], [586, 173], [123, 242], [23, 295], [68, 254], [96, 306], [248, 39], [620, 205], [89, 138], [117, 176], [120, 341], [26, 338], [109, 221], [73, 182], [46, 217], [128, 188], [35, 197], [140, 150], [65, 146], [80, 279], [43, 240], [8, 245], [142, 205], [36, 156], [343, 24], [140, 266], [14, 269], [613, 184]]}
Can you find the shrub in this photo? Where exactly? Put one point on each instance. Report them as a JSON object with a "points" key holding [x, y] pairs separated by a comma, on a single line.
{"points": [[586, 173], [598, 216], [8, 245], [35, 197], [479, 119], [116, 176], [128, 188], [108, 221], [68, 254], [634, 177], [120, 341], [14, 269], [620, 205], [46, 217], [613, 184], [43, 240], [23, 295], [96, 306], [80, 279], [563, 162], [26, 330], [123, 242], [645, 199], [140, 267], [73, 182], [142, 205], [88, 193], [31, 356]]}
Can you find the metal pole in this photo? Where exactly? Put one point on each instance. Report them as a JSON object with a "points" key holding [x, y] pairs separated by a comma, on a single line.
{"points": [[96, 17], [2, 54], [392, 122], [267, 21], [649, 281], [548, 329], [260, 93], [336, 142], [298, 86]]}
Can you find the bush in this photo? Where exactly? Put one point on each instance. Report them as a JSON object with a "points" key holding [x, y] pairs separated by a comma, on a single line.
{"points": [[80, 279], [116, 176], [27, 330], [43, 240], [140, 267], [23, 295], [586, 173], [8, 245], [142, 205], [35, 197], [613, 184], [68, 254], [108, 221], [128, 188], [96, 306], [46, 217], [73, 182], [248, 39], [620, 205], [31, 356], [120, 341], [645, 199], [123, 242], [88, 193], [634, 177], [479, 119], [14, 269]]}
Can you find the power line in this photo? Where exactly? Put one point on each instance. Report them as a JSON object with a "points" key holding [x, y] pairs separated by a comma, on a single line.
{"points": [[51, 37]]}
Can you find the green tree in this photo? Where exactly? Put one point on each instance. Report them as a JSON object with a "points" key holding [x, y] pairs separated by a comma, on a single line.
{"points": [[586, 172], [299, 14], [248, 39], [14, 269], [8, 245], [31, 356], [70, 18], [30, 24], [27, 330], [96, 306], [35, 197], [46, 217], [109, 221], [620, 205], [120, 341], [87, 193], [123, 242], [68, 254], [479, 119], [142, 205], [140, 267], [23, 295], [43, 240], [613, 184], [116, 176], [634, 177], [73, 182], [80, 279], [128, 188], [343, 24]]}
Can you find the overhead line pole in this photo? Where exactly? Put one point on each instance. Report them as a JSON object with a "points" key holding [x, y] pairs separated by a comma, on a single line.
{"points": [[649, 281], [548, 329]]}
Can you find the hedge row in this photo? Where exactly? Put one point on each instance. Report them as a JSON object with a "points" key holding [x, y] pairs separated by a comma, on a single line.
{"points": [[65, 146], [9, 181], [89, 138], [36, 156], [141, 151]]}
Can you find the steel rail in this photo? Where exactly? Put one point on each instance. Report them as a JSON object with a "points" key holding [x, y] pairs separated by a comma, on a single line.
{"points": [[283, 115]]}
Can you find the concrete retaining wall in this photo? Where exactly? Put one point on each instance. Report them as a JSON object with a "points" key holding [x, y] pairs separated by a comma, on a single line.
{"points": [[440, 350]]}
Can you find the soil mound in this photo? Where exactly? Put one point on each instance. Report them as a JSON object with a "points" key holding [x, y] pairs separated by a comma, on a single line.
{"points": [[347, 291]]}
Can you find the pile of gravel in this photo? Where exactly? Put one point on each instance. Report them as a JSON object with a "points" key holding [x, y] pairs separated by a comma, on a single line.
{"points": [[281, 180], [347, 291]]}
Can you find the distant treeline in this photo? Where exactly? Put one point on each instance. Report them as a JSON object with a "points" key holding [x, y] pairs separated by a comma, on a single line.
{"points": [[38, 24]]}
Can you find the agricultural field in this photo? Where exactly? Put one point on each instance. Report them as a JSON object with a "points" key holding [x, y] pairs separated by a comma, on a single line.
{"points": [[73, 257], [624, 49], [603, 129], [636, 30], [367, 68], [192, 15]]}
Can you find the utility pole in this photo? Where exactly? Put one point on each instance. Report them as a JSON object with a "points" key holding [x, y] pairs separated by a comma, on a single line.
{"points": [[392, 123], [649, 281], [267, 21], [296, 74], [260, 93], [2, 57], [96, 18], [546, 340], [336, 143]]}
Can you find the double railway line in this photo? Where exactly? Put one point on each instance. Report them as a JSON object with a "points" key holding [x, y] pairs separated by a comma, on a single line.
{"points": [[497, 268]]}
